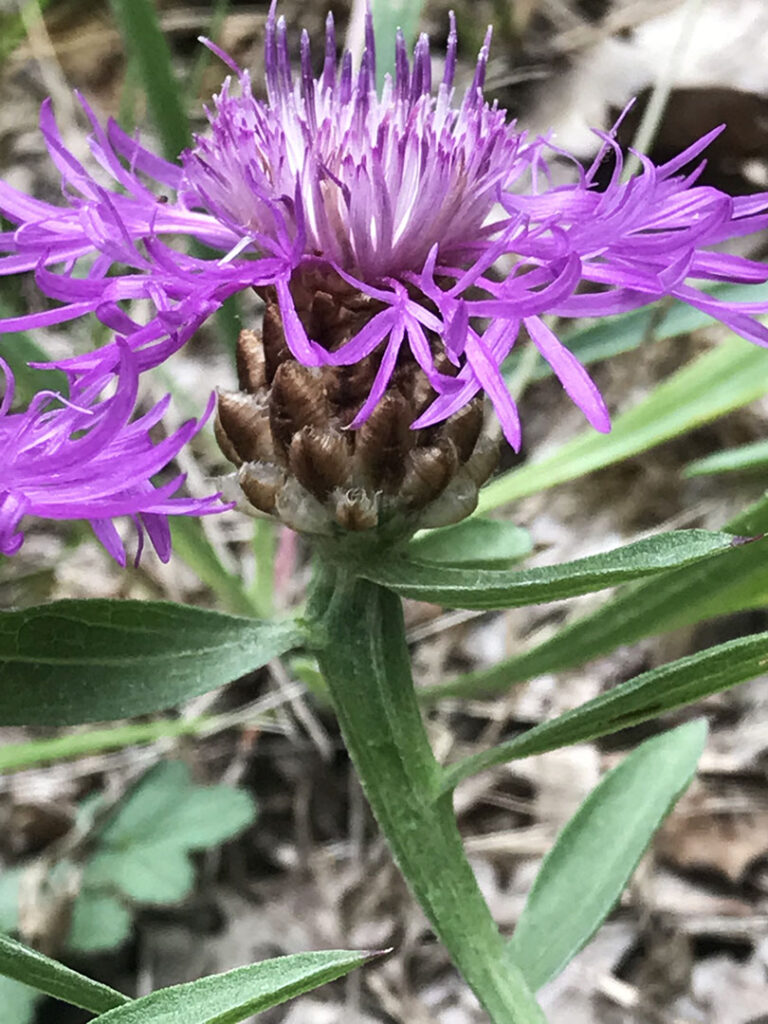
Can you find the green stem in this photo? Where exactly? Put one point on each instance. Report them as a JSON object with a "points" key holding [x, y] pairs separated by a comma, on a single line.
{"points": [[366, 666]]}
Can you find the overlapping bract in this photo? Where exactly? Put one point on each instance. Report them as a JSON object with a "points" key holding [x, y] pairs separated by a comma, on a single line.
{"points": [[444, 214], [85, 459]]}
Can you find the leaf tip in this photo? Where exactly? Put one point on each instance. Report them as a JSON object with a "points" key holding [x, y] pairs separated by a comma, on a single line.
{"points": [[738, 541], [377, 954]]}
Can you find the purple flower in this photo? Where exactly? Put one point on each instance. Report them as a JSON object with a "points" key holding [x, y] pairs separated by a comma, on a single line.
{"points": [[83, 459], [443, 214]]}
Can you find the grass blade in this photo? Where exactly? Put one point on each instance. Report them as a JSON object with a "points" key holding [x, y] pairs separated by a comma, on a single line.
{"points": [[147, 46], [726, 378]]}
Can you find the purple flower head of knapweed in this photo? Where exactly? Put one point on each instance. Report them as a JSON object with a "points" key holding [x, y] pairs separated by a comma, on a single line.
{"points": [[436, 209], [83, 458]]}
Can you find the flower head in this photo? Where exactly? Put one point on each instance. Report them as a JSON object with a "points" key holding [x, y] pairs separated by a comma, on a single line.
{"points": [[438, 212], [83, 459]]}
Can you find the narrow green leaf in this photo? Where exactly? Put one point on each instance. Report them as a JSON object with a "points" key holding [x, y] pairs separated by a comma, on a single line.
{"points": [[28, 754], [46, 975], [145, 42], [734, 460], [79, 661], [12, 30], [496, 588], [753, 520], [191, 544], [644, 697], [731, 581], [99, 922], [264, 544], [231, 997], [594, 856], [726, 378], [478, 543]]}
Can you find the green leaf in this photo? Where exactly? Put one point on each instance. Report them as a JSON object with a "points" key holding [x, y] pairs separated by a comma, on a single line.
{"points": [[495, 588], [732, 581], [99, 922], [479, 543], [46, 975], [594, 856], [231, 997], [18, 1002], [78, 661], [191, 544], [166, 806], [141, 813], [644, 697], [18, 350], [746, 457], [150, 872], [143, 848], [147, 46], [753, 520], [261, 591], [305, 669], [209, 815], [726, 378]]}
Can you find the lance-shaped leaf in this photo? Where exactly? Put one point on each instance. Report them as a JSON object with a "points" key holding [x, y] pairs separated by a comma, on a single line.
{"points": [[231, 997], [594, 856], [646, 696], [80, 661], [729, 582], [46, 975], [732, 581], [495, 588]]}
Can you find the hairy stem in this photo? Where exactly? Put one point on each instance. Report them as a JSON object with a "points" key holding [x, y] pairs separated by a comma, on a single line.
{"points": [[365, 662]]}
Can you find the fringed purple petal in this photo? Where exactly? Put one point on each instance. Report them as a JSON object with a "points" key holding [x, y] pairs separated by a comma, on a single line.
{"points": [[577, 383], [446, 216], [83, 459]]}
